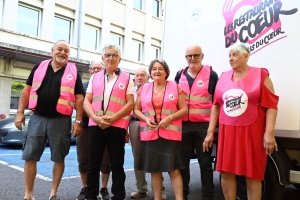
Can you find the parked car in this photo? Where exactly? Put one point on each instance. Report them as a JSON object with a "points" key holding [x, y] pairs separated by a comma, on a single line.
{"points": [[9, 134]]}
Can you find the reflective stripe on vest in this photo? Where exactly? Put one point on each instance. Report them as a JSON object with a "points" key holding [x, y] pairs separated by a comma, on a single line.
{"points": [[198, 99], [238, 100], [170, 101], [66, 101], [116, 101]]}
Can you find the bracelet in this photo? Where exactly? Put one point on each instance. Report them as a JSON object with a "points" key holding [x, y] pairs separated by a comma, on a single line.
{"points": [[171, 117]]}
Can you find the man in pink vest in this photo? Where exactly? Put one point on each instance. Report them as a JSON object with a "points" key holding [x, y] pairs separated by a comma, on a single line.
{"points": [[108, 103], [198, 82], [82, 148], [53, 89]]}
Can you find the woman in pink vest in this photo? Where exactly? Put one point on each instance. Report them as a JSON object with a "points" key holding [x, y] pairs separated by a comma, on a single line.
{"points": [[160, 105], [246, 107]]}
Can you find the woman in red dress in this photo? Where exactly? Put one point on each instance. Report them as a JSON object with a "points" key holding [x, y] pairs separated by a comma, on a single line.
{"points": [[246, 107]]}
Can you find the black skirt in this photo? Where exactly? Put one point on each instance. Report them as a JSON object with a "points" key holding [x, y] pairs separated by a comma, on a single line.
{"points": [[160, 155]]}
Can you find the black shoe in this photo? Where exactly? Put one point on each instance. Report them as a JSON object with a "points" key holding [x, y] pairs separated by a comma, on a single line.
{"points": [[104, 194], [82, 193]]}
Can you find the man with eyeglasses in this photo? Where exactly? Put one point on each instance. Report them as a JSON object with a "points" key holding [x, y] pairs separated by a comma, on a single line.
{"points": [[198, 82], [108, 103], [82, 149]]}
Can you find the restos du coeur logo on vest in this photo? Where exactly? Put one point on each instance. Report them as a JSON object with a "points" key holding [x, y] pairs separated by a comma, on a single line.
{"points": [[254, 22], [235, 102]]}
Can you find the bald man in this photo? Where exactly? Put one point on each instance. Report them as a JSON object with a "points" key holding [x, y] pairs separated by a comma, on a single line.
{"points": [[198, 82]]}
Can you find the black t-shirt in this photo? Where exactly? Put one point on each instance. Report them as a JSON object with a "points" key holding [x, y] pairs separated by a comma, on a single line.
{"points": [[213, 79], [49, 92]]}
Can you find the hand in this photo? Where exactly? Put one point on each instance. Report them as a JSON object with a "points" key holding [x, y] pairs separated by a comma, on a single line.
{"points": [[20, 119], [101, 122], [270, 143], [208, 142], [127, 137], [76, 129], [151, 124], [164, 123], [108, 118]]}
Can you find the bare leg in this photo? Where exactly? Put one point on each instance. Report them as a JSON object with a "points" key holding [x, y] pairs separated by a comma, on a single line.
{"points": [[228, 183], [57, 171], [253, 189], [83, 177], [104, 180], [177, 185], [156, 179], [29, 177]]}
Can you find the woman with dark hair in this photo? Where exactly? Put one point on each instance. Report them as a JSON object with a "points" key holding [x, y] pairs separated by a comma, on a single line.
{"points": [[160, 105]]}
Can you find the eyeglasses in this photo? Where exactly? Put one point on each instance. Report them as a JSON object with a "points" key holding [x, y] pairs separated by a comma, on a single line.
{"points": [[96, 69], [196, 56], [113, 56]]}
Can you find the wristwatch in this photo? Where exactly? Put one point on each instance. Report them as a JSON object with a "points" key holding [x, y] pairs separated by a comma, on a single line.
{"points": [[79, 122]]}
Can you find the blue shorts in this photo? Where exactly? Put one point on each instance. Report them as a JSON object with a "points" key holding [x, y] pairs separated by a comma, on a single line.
{"points": [[54, 130]]}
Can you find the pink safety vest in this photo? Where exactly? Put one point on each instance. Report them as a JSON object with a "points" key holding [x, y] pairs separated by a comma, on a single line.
{"points": [[116, 101], [173, 131], [238, 100], [65, 104], [198, 99]]}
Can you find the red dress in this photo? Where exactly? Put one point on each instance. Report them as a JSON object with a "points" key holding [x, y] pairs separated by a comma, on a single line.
{"points": [[240, 148]]}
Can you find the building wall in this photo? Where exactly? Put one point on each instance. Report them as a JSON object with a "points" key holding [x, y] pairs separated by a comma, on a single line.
{"points": [[106, 16], [93, 14]]}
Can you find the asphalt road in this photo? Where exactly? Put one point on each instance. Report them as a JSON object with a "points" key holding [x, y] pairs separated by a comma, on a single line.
{"points": [[12, 184]]}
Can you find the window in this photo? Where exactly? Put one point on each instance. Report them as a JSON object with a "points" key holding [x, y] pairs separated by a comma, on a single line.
{"points": [[155, 8], [91, 37], [136, 51], [28, 20], [138, 4], [62, 29], [116, 39], [155, 52]]}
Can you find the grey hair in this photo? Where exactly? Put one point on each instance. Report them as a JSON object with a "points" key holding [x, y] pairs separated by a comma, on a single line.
{"points": [[242, 48], [111, 46], [100, 62], [163, 63], [144, 70], [61, 41]]}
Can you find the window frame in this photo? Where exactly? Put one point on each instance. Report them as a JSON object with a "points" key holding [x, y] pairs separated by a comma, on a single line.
{"points": [[141, 4], [157, 51], [140, 51], [157, 9], [70, 30], [121, 39], [38, 20], [97, 43]]}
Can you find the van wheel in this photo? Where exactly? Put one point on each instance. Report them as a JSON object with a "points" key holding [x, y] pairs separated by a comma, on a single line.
{"points": [[271, 188]]}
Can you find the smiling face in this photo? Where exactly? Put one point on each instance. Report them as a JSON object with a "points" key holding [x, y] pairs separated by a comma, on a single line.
{"points": [[158, 72], [237, 59], [60, 53]]}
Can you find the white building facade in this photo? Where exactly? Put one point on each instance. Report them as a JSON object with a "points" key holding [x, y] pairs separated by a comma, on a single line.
{"points": [[28, 29]]}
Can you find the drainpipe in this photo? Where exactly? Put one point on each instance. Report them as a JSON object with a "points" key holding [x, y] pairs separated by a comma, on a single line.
{"points": [[79, 29]]}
